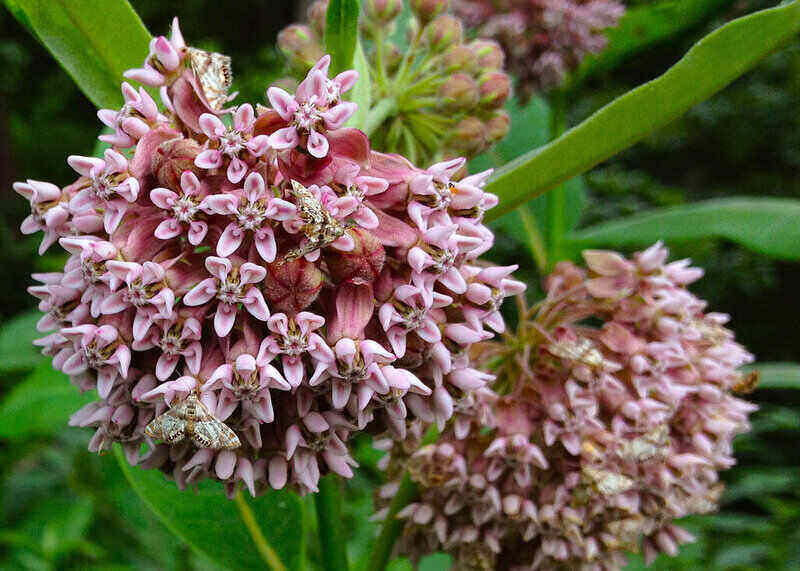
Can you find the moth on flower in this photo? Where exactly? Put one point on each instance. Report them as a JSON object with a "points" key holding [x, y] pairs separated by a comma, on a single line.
{"points": [[213, 72], [321, 229], [191, 418]]}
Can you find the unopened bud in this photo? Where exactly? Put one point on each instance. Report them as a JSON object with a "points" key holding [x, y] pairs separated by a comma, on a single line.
{"points": [[362, 264], [427, 10], [171, 158], [495, 89], [317, 16], [381, 12], [459, 58], [497, 126], [459, 92], [300, 46], [468, 136], [443, 32], [488, 54], [291, 285]]}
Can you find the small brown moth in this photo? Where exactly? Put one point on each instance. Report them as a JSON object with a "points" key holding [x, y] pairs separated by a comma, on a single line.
{"points": [[191, 418], [320, 227], [213, 72], [747, 384]]}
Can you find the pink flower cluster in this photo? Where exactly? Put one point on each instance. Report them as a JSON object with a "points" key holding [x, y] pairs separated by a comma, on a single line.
{"points": [[543, 39], [266, 263], [601, 435]]}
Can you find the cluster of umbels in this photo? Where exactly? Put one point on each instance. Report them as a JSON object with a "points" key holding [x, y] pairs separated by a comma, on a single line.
{"points": [[247, 288], [612, 415], [435, 94], [543, 39]]}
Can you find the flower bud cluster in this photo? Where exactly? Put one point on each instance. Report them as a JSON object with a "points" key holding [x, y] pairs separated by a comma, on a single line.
{"points": [[543, 39], [246, 288], [600, 436], [444, 94]]}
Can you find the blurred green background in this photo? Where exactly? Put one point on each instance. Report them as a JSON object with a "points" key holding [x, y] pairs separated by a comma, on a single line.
{"points": [[63, 508]]}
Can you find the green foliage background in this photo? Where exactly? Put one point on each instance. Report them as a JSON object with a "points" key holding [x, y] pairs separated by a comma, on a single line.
{"points": [[63, 508]]}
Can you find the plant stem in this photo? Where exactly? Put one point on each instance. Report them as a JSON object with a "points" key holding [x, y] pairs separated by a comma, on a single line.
{"points": [[267, 553], [535, 241], [557, 198], [406, 493], [328, 502], [384, 109]]}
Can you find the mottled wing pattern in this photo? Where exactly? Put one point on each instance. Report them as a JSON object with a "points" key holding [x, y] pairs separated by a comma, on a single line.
{"points": [[212, 433], [321, 229], [191, 418], [213, 72], [169, 427]]}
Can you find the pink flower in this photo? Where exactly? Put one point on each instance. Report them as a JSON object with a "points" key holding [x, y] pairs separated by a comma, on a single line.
{"points": [[111, 187], [293, 337], [315, 108], [48, 213], [101, 349], [164, 59], [230, 288], [230, 143], [252, 211], [183, 209], [138, 114]]}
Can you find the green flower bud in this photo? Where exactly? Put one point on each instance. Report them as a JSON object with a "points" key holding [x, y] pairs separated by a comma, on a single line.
{"points": [[497, 126], [317, 16], [459, 92], [381, 12], [468, 136], [459, 58], [443, 32], [427, 10], [495, 89], [300, 46], [488, 53]]}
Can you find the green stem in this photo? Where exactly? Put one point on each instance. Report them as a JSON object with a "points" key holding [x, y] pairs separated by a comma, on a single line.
{"points": [[328, 502], [535, 240], [267, 553], [557, 198], [392, 527], [384, 109]]}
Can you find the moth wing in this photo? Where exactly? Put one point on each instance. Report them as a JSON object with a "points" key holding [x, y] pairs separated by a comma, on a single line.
{"points": [[169, 427], [213, 72], [211, 433]]}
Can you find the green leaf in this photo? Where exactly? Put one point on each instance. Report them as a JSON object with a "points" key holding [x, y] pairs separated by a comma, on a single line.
{"points": [[766, 225], [17, 352], [778, 375], [362, 90], [40, 405], [219, 528], [710, 65], [341, 33], [332, 535], [93, 40], [644, 26]]}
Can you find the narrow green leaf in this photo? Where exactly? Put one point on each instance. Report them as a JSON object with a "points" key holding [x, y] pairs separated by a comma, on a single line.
{"points": [[213, 525], [341, 33], [93, 40], [766, 225], [332, 535], [40, 405], [710, 65], [646, 25], [17, 352], [778, 375], [362, 90]]}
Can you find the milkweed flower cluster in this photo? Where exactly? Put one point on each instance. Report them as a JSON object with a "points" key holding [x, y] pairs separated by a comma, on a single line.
{"points": [[441, 96], [600, 435], [251, 286], [543, 39]]}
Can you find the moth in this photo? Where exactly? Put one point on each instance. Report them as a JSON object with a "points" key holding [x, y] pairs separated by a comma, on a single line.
{"points": [[191, 419], [320, 228], [649, 445], [582, 350], [747, 383], [213, 72]]}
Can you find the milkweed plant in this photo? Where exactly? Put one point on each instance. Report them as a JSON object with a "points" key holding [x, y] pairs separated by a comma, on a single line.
{"points": [[250, 289]]}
